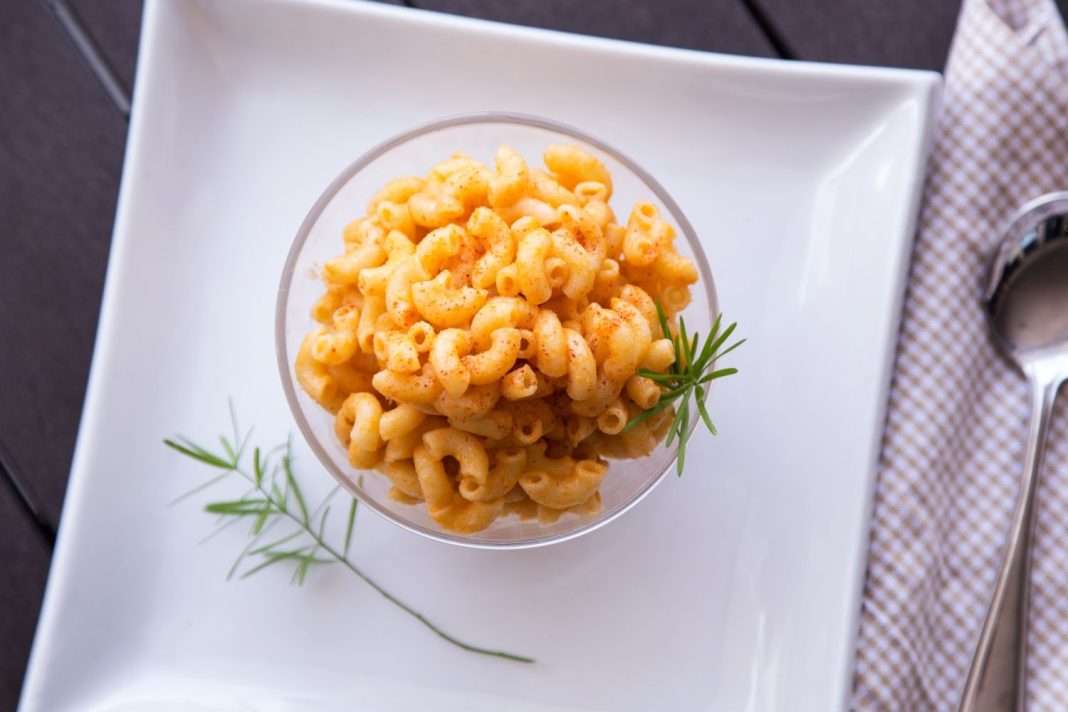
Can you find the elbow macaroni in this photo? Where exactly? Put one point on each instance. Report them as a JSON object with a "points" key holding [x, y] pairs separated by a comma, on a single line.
{"points": [[479, 337]]}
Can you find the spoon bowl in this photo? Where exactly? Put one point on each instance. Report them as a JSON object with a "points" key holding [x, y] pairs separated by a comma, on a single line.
{"points": [[1027, 293]]}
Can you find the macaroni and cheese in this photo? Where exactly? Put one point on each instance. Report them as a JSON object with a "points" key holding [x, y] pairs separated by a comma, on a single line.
{"points": [[480, 336]]}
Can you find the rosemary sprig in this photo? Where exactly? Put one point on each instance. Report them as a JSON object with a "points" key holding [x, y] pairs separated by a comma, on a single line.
{"points": [[274, 500], [688, 377]]}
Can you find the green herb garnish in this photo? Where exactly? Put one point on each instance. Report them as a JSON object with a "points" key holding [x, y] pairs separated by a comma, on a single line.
{"points": [[688, 375], [278, 511]]}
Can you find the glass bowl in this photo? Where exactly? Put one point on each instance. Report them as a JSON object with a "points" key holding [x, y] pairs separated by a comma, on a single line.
{"points": [[319, 238]]}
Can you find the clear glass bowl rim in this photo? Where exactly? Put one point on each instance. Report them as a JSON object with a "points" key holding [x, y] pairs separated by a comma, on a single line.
{"points": [[288, 385]]}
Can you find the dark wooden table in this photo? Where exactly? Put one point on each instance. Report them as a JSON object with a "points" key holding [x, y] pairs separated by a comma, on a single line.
{"points": [[65, 71]]}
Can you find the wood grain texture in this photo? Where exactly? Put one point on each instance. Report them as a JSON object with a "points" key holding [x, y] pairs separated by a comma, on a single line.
{"points": [[116, 26], [721, 26], [61, 148], [22, 579], [903, 33]]}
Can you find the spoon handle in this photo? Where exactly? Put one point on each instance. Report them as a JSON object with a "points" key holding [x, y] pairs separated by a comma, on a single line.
{"points": [[1017, 550]]}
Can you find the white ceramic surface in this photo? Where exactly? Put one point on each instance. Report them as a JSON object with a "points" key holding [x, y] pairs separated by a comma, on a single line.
{"points": [[734, 588]]}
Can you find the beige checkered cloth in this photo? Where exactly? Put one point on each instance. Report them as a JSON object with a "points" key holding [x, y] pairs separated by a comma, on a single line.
{"points": [[954, 445]]}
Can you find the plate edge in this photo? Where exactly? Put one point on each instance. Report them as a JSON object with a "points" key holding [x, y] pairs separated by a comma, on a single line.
{"points": [[445, 21], [928, 92]]}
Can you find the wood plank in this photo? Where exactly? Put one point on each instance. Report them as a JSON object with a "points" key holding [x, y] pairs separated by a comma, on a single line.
{"points": [[724, 26], [22, 580], [116, 26], [61, 145], [905, 33]]}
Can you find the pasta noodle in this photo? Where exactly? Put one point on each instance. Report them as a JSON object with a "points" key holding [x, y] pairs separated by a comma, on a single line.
{"points": [[480, 335]]}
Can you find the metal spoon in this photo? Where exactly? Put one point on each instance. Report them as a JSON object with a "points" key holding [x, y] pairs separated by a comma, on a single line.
{"points": [[1027, 308]]}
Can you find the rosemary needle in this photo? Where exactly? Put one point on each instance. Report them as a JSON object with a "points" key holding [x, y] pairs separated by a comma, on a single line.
{"points": [[687, 378], [275, 499]]}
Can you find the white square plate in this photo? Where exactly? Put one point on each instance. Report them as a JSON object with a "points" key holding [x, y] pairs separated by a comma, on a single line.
{"points": [[735, 587]]}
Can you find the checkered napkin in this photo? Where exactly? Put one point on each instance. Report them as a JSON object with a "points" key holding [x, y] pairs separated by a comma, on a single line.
{"points": [[953, 450]]}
